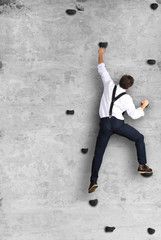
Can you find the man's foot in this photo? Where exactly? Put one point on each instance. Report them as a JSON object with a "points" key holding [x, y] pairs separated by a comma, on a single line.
{"points": [[144, 169], [92, 187]]}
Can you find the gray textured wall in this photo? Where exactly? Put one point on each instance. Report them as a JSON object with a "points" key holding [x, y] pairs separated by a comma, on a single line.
{"points": [[48, 65]]}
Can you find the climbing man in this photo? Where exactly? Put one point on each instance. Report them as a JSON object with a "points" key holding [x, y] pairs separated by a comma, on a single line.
{"points": [[114, 102]]}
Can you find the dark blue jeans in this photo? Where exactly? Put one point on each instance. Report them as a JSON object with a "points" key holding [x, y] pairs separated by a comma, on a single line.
{"points": [[109, 126]]}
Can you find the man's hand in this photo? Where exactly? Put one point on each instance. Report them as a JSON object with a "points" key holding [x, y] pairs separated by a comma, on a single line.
{"points": [[145, 103], [101, 51]]}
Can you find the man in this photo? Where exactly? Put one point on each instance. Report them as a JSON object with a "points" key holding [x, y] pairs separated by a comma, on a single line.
{"points": [[113, 103]]}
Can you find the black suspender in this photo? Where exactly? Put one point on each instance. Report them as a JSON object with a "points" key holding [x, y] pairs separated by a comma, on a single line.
{"points": [[114, 99]]}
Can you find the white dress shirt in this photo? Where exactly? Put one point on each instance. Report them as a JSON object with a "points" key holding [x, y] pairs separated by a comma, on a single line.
{"points": [[124, 103]]}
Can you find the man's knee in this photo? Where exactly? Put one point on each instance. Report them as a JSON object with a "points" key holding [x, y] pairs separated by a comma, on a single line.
{"points": [[140, 138]]}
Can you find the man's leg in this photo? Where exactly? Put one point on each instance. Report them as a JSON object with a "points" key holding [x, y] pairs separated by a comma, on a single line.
{"points": [[133, 135], [104, 135]]}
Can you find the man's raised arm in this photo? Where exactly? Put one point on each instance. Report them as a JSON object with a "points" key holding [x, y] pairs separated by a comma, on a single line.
{"points": [[101, 67], [101, 51]]}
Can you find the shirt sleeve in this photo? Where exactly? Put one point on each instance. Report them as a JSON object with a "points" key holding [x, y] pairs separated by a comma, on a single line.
{"points": [[133, 112], [104, 74]]}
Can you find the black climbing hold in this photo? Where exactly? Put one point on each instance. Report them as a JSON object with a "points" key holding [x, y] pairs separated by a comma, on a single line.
{"points": [[151, 61], [93, 203], [1, 64], [79, 7], [84, 150], [151, 230], [70, 112], [154, 6], [71, 11], [109, 229], [103, 44], [147, 174]]}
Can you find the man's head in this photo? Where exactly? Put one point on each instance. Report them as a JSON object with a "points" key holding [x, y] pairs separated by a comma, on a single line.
{"points": [[126, 81]]}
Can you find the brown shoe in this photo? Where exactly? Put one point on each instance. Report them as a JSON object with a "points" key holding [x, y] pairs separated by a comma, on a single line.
{"points": [[92, 187], [144, 169]]}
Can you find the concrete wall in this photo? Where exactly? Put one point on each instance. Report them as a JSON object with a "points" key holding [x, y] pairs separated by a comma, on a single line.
{"points": [[48, 65]]}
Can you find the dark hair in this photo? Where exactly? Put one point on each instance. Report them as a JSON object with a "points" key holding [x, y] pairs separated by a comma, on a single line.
{"points": [[126, 81]]}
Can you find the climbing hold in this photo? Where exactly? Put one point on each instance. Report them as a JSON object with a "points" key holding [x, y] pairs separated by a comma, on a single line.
{"points": [[71, 11], [154, 6], [151, 230], [103, 44], [93, 203], [151, 61], [109, 229], [79, 7], [147, 174], [70, 112], [158, 1], [1, 64], [84, 150]]}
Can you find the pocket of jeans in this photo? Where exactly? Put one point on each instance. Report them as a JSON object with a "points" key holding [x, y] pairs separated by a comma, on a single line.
{"points": [[117, 123]]}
